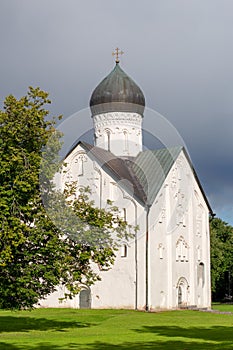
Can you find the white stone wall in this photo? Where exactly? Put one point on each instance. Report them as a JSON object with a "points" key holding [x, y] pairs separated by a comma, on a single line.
{"points": [[179, 242], [179, 261], [118, 286], [119, 132]]}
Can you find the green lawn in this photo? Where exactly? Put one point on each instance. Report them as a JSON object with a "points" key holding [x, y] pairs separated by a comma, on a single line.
{"points": [[223, 307], [64, 329]]}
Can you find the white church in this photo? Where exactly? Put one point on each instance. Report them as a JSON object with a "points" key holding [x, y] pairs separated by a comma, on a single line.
{"points": [[167, 264]]}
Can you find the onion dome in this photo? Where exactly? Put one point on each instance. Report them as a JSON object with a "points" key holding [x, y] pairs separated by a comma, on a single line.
{"points": [[117, 93]]}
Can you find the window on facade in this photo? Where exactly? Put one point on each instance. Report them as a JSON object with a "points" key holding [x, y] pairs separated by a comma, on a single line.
{"points": [[181, 250], [108, 139], [124, 251], [124, 214], [125, 140], [200, 275], [161, 249], [95, 138], [162, 215]]}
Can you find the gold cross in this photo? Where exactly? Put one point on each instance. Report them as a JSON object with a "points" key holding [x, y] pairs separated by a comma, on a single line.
{"points": [[117, 53]]}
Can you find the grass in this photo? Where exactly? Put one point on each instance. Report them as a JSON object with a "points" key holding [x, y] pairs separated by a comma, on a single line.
{"points": [[64, 329], [223, 307]]}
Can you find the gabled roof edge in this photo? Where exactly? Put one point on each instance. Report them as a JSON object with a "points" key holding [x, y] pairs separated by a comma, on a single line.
{"points": [[108, 166], [198, 181]]}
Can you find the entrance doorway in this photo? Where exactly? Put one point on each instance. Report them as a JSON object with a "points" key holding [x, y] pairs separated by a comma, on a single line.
{"points": [[85, 299], [180, 296], [182, 292]]}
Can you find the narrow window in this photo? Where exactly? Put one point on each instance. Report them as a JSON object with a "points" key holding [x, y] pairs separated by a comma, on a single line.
{"points": [[200, 274], [81, 167], [161, 248], [108, 140], [182, 251], [124, 251], [125, 140], [179, 249], [124, 214], [95, 139]]}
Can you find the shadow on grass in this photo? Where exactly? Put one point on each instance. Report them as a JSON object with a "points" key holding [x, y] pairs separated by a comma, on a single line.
{"points": [[143, 345], [175, 338], [214, 333], [26, 324], [156, 345]]}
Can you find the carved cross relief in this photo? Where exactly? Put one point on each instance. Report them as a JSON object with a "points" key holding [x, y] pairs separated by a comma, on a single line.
{"points": [[80, 162], [199, 220], [181, 249], [180, 209]]}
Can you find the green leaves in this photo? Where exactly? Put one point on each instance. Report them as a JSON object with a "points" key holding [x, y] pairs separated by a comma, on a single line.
{"points": [[221, 239], [24, 131], [42, 246]]}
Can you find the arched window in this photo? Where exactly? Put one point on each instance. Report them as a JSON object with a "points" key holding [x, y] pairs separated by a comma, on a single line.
{"points": [[95, 138], [108, 139], [162, 215], [124, 214], [124, 251], [201, 274], [161, 249], [126, 144]]}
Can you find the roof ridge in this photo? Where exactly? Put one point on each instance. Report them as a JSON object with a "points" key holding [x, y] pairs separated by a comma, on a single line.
{"points": [[120, 168]]}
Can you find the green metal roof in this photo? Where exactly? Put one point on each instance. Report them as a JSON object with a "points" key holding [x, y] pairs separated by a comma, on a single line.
{"points": [[152, 167], [145, 174], [116, 93]]}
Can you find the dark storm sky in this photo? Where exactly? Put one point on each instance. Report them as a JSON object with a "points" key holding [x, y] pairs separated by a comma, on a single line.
{"points": [[180, 52]]}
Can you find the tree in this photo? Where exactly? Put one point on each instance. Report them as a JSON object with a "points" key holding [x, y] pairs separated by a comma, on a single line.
{"points": [[221, 239], [36, 254]]}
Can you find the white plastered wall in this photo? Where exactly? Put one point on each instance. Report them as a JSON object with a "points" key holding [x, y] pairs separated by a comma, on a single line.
{"points": [[119, 132], [117, 288], [174, 239], [178, 240]]}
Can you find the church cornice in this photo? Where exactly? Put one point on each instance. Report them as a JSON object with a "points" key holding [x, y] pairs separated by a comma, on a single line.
{"points": [[102, 120]]}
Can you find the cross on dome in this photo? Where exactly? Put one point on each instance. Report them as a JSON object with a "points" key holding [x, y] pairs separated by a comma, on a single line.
{"points": [[117, 53]]}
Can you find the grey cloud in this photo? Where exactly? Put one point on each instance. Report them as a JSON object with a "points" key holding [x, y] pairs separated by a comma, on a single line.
{"points": [[179, 52]]}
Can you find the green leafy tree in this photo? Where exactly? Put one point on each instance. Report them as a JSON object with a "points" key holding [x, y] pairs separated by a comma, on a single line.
{"points": [[221, 239], [36, 254]]}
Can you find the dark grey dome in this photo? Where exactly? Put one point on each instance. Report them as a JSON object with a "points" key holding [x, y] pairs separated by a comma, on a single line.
{"points": [[117, 93]]}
